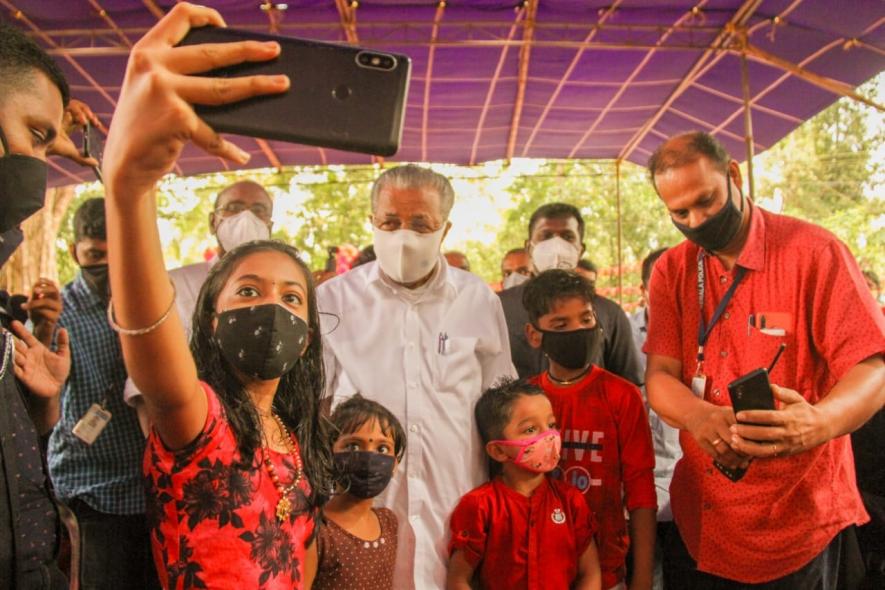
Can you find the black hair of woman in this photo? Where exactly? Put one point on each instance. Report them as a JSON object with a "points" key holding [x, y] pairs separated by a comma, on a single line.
{"points": [[298, 400]]}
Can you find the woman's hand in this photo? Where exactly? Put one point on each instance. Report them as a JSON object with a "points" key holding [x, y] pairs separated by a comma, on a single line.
{"points": [[154, 118]]}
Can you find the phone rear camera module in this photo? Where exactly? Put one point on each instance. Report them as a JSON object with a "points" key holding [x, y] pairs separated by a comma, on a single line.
{"points": [[342, 92], [376, 61]]}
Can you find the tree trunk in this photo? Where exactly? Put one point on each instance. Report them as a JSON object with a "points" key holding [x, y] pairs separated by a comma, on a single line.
{"points": [[36, 257]]}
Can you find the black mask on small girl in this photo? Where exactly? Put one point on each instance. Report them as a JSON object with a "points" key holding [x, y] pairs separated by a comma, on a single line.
{"points": [[364, 474]]}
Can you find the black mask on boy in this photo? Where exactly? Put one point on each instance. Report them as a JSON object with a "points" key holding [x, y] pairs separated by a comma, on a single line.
{"points": [[716, 233], [574, 349], [364, 474], [261, 341]]}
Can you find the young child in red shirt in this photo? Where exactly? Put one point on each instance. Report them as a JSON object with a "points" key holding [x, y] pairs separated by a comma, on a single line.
{"points": [[607, 449], [522, 530]]}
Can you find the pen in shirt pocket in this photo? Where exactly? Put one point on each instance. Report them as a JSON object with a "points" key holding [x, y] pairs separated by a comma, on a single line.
{"points": [[443, 343]]}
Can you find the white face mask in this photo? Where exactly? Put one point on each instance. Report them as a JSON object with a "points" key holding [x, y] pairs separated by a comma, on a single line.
{"points": [[405, 255], [555, 253], [514, 279], [238, 229]]}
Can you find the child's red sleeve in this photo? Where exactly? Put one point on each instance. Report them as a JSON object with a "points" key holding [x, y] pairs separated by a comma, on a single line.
{"points": [[637, 452], [469, 528]]}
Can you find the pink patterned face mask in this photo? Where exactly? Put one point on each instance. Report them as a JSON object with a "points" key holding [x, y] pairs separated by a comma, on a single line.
{"points": [[539, 453]]}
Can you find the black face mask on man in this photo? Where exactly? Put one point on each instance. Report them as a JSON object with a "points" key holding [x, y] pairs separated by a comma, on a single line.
{"points": [[364, 474], [10, 240], [574, 349], [22, 187], [261, 341], [96, 278], [716, 233]]}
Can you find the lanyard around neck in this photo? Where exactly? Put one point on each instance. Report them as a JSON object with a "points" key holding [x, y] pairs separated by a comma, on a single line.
{"points": [[704, 330]]}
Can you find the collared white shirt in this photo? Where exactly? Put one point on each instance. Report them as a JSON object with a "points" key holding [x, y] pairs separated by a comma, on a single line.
{"points": [[188, 281], [665, 438], [427, 360]]}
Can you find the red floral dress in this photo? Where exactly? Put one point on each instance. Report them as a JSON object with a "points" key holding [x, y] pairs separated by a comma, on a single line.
{"points": [[214, 525]]}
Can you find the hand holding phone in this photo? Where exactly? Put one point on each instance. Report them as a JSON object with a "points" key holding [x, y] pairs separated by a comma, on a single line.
{"points": [[154, 118], [750, 392], [342, 97]]}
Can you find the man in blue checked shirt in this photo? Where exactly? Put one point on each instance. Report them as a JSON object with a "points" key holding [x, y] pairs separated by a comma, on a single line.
{"points": [[96, 449]]}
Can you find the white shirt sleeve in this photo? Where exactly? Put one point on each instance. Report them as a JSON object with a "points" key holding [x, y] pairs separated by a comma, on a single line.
{"points": [[495, 358]]}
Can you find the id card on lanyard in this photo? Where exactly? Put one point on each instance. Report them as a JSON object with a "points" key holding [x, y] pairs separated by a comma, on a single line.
{"points": [[699, 382]]}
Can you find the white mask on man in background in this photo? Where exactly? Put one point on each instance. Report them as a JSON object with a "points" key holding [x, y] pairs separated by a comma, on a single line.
{"points": [[238, 229], [514, 279], [405, 255], [555, 253]]}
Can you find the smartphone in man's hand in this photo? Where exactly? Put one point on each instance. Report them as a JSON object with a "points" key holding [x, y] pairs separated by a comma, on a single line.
{"points": [[749, 392], [341, 97], [93, 147]]}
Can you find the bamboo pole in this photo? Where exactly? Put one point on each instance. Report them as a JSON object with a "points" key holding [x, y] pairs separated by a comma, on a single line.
{"points": [[834, 86], [620, 249], [748, 123]]}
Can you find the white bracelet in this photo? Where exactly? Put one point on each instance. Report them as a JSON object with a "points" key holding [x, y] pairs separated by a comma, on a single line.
{"points": [[140, 331]]}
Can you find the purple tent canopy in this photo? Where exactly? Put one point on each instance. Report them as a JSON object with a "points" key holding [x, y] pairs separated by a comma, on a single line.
{"points": [[536, 78]]}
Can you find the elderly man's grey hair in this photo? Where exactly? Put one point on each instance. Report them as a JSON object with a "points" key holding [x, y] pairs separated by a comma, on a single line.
{"points": [[411, 176]]}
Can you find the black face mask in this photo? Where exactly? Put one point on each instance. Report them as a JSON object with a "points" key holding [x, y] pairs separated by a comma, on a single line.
{"points": [[364, 474], [10, 240], [22, 187], [575, 349], [96, 277], [716, 233], [262, 341]]}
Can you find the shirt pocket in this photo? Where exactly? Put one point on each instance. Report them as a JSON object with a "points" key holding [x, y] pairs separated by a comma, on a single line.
{"points": [[457, 366], [767, 333]]}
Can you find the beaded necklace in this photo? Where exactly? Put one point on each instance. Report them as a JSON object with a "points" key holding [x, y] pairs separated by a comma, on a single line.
{"points": [[284, 505]]}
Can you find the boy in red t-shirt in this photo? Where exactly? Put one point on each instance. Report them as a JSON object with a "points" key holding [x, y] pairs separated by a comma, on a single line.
{"points": [[522, 530], [607, 449]]}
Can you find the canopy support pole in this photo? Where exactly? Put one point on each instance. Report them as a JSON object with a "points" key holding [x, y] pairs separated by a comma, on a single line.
{"points": [[748, 123], [620, 256], [829, 84]]}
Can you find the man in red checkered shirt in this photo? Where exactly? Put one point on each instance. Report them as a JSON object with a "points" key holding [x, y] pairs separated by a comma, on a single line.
{"points": [[723, 303]]}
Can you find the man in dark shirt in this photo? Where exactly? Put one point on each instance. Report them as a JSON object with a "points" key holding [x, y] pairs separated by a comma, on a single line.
{"points": [[33, 97], [556, 240]]}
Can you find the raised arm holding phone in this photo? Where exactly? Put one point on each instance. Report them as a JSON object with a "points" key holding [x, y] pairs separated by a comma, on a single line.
{"points": [[236, 432]]}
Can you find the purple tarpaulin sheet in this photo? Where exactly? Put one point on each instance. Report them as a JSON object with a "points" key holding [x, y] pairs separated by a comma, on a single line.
{"points": [[604, 79]]}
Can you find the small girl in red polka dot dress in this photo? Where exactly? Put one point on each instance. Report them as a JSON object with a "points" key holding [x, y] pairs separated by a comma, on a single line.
{"points": [[356, 547]]}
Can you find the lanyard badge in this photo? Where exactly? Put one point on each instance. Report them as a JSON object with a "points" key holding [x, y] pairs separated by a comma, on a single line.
{"points": [[700, 385], [96, 417], [92, 423]]}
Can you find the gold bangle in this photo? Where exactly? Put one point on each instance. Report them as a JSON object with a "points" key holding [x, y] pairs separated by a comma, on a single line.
{"points": [[140, 331]]}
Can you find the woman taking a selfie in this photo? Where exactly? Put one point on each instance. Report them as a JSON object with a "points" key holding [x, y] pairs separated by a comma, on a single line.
{"points": [[236, 466]]}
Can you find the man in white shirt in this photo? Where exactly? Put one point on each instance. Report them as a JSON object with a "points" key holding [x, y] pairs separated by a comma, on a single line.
{"points": [[665, 438], [424, 339], [242, 213]]}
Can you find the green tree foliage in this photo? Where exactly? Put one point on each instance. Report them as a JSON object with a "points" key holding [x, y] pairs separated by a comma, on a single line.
{"points": [[828, 172], [592, 187]]}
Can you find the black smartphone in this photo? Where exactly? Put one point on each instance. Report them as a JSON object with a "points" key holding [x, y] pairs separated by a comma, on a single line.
{"points": [[93, 147], [341, 97], [749, 392]]}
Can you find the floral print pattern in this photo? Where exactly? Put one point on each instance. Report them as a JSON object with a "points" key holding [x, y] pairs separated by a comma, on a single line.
{"points": [[213, 524]]}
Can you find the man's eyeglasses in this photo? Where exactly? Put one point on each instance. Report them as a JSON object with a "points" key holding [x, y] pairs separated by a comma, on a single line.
{"points": [[416, 225], [260, 211]]}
